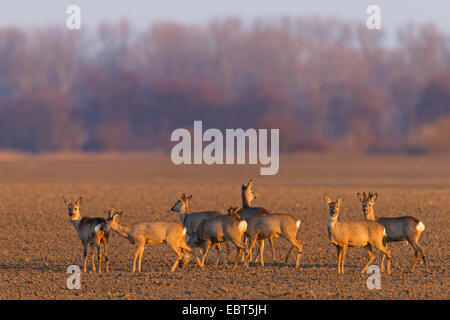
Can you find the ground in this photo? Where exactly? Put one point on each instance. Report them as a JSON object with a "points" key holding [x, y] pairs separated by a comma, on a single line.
{"points": [[39, 243]]}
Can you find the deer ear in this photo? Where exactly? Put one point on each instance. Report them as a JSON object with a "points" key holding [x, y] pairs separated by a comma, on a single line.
{"points": [[117, 215], [189, 198], [111, 213], [250, 183], [79, 201], [340, 199], [360, 197], [66, 201], [327, 199], [373, 196]]}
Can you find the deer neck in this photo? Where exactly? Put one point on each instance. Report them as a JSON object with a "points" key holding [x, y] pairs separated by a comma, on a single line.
{"points": [[245, 201], [121, 229], [332, 222], [182, 214], [371, 215], [76, 223]]}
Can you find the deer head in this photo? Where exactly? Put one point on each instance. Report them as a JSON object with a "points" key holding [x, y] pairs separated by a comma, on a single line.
{"points": [[232, 211], [182, 204], [247, 191], [367, 202], [73, 208], [113, 218], [333, 206]]}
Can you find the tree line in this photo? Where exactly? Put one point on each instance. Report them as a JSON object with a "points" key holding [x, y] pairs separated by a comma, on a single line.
{"points": [[329, 85]]}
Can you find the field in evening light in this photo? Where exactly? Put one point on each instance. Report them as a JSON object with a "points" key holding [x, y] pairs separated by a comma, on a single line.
{"points": [[39, 242]]}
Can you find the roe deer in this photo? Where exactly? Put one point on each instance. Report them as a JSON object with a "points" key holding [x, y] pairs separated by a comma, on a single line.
{"points": [[354, 234], [149, 233], [91, 231], [223, 228], [398, 229], [191, 222], [272, 226], [247, 212]]}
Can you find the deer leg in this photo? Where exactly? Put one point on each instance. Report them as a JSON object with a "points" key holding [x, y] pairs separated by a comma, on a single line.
{"points": [[423, 257], [261, 251], [178, 253], [92, 256], [225, 261], [205, 251], [187, 256], [371, 257], [105, 244], [388, 261], [228, 249], [187, 249], [136, 255], [99, 250], [180, 256], [251, 255], [186, 259], [339, 254], [239, 255], [251, 244], [223, 257], [416, 250], [84, 256], [415, 260], [344, 252], [382, 258], [246, 243], [295, 244], [273, 250], [176, 248], [386, 253], [289, 254], [141, 253], [419, 251], [257, 252], [219, 253], [242, 249], [299, 254]]}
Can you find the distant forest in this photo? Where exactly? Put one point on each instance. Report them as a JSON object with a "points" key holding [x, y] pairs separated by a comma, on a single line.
{"points": [[329, 85]]}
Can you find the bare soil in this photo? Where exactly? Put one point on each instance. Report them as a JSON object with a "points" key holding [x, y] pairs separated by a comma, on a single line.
{"points": [[38, 242]]}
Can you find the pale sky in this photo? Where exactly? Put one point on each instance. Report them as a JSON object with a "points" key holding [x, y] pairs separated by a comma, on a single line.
{"points": [[394, 13]]}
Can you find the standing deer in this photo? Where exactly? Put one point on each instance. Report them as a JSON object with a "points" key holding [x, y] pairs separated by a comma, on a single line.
{"points": [[91, 231], [398, 229], [223, 228], [271, 226], [150, 233], [247, 212], [191, 221], [356, 234]]}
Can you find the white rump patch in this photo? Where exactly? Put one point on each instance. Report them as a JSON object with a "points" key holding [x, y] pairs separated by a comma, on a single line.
{"points": [[420, 226], [98, 228], [243, 226], [184, 231], [298, 224]]}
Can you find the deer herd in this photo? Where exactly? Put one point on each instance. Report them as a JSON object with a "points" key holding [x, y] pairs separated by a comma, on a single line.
{"points": [[243, 228]]}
